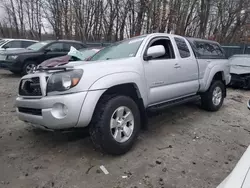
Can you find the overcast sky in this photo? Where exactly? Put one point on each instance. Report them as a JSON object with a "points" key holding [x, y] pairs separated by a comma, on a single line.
{"points": [[1, 13]]}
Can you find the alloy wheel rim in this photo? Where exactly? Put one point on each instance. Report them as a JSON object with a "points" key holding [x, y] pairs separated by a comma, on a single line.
{"points": [[122, 124], [30, 67], [217, 96]]}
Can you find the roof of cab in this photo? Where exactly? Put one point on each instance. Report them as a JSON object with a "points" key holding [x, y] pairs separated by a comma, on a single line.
{"points": [[192, 39], [160, 34], [64, 40]]}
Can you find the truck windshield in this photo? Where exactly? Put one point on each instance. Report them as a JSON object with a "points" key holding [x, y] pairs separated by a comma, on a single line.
{"points": [[123, 49]]}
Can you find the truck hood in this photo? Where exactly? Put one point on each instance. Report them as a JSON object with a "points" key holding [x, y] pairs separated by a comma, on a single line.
{"points": [[240, 176], [57, 61], [107, 66], [99, 71]]}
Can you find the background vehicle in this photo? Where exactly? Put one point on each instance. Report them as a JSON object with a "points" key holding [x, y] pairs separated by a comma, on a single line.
{"points": [[89, 52], [12, 44], [112, 93], [240, 176], [23, 61], [240, 71]]}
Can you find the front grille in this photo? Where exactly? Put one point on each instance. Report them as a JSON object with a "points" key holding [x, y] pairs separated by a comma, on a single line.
{"points": [[32, 111], [30, 87]]}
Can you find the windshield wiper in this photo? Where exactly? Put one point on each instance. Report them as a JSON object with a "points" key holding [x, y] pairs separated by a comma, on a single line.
{"points": [[108, 58]]}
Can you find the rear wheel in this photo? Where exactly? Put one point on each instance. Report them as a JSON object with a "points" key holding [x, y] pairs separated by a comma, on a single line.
{"points": [[28, 67], [247, 83], [115, 125], [213, 99]]}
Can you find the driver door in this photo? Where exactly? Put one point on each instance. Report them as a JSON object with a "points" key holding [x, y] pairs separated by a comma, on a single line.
{"points": [[161, 73]]}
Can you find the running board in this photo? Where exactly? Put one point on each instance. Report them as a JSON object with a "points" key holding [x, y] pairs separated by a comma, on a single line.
{"points": [[174, 103]]}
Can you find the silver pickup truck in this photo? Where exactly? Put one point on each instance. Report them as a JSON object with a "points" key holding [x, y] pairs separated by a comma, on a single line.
{"points": [[112, 91]]}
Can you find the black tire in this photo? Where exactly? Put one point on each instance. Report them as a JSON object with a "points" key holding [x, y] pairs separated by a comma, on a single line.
{"points": [[26, 65], [207, 97], [15, 72], [247, 84], [100, 131]]}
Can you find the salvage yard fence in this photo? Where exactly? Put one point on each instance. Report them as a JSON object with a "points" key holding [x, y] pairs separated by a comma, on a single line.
{"points": [[236, 49]]}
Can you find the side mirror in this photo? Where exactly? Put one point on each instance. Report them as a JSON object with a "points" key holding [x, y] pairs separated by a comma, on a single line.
{"points": [[47, 50], [155, 51]]}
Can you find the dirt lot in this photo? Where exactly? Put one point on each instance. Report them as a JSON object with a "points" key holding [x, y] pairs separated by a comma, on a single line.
{"points": [[184, 147]]}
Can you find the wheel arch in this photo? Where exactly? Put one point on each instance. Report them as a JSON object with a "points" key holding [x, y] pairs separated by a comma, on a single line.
{"points": [[95, 96], [123, 81], [215, 74], [129, 89]]}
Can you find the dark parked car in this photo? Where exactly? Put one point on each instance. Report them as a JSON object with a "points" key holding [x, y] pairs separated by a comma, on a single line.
{"points": [[24, 60]]}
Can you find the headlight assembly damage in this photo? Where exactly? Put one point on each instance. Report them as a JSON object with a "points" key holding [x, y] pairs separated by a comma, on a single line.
{"points": [[63, 81]]}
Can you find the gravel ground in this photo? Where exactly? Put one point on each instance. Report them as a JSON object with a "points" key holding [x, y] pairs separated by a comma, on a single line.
{"points": [[183, 147]]}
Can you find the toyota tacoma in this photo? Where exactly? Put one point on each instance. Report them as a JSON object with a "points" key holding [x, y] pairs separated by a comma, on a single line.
{"points": [[111, 92]]}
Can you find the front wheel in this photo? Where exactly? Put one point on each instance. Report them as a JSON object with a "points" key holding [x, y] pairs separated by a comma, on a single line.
{"points": [[213, 99], [115, 125], [28, 67]]}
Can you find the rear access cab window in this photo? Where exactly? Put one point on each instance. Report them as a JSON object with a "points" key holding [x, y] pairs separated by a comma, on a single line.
{"points": [[204, 49]]}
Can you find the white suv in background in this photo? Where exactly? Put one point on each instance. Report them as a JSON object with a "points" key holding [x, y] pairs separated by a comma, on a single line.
{"points": [[15, 43]]}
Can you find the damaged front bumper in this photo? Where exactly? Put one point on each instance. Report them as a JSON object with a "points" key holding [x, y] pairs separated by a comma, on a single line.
{"points": [[240, 81]]}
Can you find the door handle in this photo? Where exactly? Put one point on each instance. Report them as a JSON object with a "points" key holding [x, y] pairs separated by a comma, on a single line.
{"points": [[177, 66]]}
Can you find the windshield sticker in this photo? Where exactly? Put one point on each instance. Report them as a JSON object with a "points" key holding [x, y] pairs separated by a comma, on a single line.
{"points": [[136, 40]]}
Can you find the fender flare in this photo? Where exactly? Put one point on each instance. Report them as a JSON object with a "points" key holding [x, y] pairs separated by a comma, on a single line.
{"points": [[211, 73]]}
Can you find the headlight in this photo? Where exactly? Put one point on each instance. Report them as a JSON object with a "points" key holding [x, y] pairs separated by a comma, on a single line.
{"points": [[63, 81], [12, 57]]}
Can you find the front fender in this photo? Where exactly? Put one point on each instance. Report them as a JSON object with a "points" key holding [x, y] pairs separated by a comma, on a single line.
{"points": [[115, 79]]}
